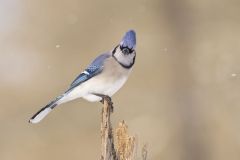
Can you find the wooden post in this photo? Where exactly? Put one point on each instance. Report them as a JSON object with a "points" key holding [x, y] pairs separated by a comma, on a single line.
{"points": [[126, 146], [107, 138]]}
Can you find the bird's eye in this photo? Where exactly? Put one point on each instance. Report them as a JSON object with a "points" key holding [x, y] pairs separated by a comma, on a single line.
{"points": [[125, 51]]}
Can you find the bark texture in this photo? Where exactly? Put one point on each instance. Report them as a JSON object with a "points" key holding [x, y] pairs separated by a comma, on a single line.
{"points": [[107, 139], [126, 146]]}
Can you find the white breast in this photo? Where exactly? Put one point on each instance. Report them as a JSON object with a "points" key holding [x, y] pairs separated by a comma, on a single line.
{"points": [[106, 89]]}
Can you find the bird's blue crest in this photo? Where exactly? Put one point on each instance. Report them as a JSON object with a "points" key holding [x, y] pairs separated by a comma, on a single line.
{"points": [[129, 40]]}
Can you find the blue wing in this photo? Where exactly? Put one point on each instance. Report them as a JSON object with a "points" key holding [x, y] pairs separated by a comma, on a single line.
{"points": [[93, 69]]}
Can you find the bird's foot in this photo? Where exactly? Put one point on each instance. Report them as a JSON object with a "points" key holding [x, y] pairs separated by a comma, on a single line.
{"points": [[107, 98]]}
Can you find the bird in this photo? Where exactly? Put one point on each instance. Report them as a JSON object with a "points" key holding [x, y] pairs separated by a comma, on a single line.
{"points": [[105, 75]]}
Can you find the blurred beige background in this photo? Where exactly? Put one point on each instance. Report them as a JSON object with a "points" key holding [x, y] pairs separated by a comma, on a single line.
{"points": [[182, 97]]}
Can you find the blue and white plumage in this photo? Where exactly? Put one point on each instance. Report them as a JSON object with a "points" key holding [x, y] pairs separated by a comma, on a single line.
{"points": [[104, 76]]}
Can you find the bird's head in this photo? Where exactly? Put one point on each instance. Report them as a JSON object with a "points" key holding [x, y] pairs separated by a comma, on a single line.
{"points": [[125, 52], [128, 43]]}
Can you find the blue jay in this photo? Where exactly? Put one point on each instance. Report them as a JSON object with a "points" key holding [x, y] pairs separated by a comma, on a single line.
{"points": [[103, 77]]}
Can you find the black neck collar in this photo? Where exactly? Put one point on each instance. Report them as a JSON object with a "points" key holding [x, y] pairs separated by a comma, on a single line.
{"points": [[123, 65]]}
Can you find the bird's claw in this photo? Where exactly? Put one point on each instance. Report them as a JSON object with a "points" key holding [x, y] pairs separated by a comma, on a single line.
{"points": [[107, 98]]}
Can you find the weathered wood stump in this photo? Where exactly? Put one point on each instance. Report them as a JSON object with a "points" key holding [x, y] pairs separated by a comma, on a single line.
{"points": [[126, 146]]}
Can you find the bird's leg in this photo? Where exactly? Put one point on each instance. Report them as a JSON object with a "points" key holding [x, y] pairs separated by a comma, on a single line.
{"points": [[109, 101], [107, 98]]}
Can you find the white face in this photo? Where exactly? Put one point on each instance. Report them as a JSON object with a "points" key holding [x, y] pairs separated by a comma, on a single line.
{"points": [[126, 59]]}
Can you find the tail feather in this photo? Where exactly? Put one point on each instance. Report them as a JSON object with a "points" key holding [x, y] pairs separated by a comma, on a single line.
{"points": [[37, 117]]}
